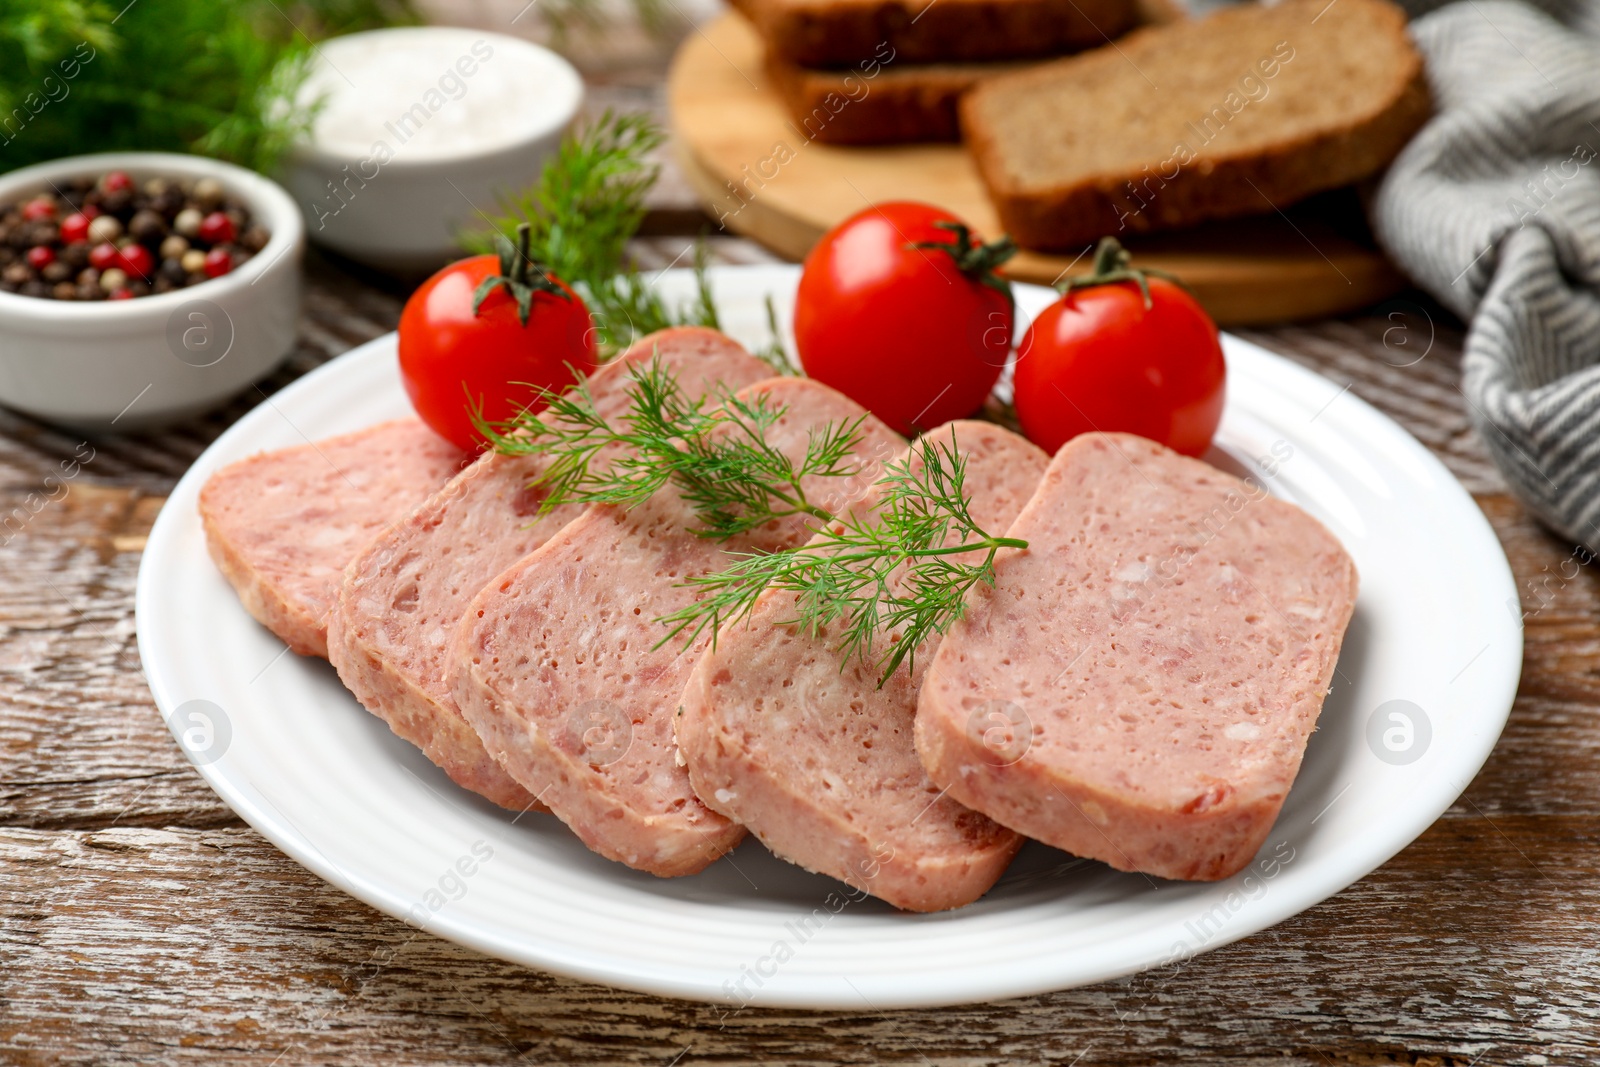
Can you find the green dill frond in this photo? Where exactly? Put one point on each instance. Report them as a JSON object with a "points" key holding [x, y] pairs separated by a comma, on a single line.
{"points": [[712, 448], [891, 574]]}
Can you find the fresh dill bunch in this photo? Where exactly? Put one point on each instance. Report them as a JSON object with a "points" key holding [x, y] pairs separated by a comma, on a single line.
{"points": [[712, 449], [894, 570], [217, 78], [587, 204], [898, 569]]}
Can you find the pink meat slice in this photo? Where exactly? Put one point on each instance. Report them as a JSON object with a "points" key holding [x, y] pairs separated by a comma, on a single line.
{"points": [[557, 664], [282, 525], [402, 598], [1140, 684], [782, 734]]}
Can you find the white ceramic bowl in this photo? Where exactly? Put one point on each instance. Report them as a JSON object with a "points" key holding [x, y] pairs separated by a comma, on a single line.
{"points": [[421, 135], [134, 364]]}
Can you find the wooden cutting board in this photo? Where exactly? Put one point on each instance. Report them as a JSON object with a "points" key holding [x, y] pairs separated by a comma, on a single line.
{"points": [[761, 177]]}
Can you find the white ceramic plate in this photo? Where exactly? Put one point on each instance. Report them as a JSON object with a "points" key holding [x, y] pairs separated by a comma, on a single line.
{"points": [[299, 759]]}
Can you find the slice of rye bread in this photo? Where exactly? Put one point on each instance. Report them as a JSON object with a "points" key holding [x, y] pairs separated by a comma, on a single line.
{"points": [[282, 525], [896, 102], [833, 33], [804, 748], [402, 598], [900, 104], [561, 667], [1139, 685], [1243, 112]]}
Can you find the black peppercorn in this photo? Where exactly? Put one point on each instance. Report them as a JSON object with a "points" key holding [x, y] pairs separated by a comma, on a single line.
{"points": [[255, 238], [116, 202], [168, 203], [147, 227]]}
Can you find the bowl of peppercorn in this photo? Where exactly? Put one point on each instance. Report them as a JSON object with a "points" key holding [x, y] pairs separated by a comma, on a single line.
{"points": [[139, 288]]}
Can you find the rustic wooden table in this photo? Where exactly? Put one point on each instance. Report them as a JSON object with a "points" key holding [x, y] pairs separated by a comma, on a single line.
{"points": [[142, 922]]}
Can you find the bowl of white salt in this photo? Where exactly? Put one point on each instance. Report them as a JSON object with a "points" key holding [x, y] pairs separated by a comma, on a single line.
{"points": [[418, 135]]}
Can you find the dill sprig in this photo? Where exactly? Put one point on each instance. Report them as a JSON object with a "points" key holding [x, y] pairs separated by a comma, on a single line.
{"points": [[894, 571], [587, 204], [897, 571], [713, 449]]}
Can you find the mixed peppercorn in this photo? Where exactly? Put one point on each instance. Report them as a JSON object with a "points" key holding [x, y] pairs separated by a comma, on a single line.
{"points": [[115, 238]]}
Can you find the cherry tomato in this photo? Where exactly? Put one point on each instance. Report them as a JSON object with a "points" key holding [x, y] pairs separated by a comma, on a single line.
{"points": [[900, 310], [497, 357], [1107, 357]]}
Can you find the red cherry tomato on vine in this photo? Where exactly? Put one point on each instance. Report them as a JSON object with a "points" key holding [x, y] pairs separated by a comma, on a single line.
{"points": [[1104, 358], [901, 311], [530, 333]]}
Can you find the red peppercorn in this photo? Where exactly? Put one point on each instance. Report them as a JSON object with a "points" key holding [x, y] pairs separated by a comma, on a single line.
{"points": [[137, 260], [216, 229], [40, 257], [120, 294], [116, 182], [75, 227], [39, 208], [104, 256], [218, 262]]}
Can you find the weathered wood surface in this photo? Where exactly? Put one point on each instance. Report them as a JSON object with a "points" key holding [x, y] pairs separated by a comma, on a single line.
{"points": [[142, 922]]}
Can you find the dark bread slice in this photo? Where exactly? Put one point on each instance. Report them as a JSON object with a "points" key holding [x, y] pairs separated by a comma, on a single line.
{"points": [[824, 33], [899, 104], [1248, 110]]}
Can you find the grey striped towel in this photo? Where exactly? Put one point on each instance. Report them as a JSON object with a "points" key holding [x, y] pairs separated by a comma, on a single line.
{"points": [[1494, 208]]}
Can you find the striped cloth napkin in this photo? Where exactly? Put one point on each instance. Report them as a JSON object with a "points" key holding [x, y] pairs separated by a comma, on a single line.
{"points": [[1494, 208]]}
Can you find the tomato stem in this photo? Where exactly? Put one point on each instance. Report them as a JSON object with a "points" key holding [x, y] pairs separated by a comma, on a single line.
{"points": [[1112, 264], [520, 276], [976, 261]]}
